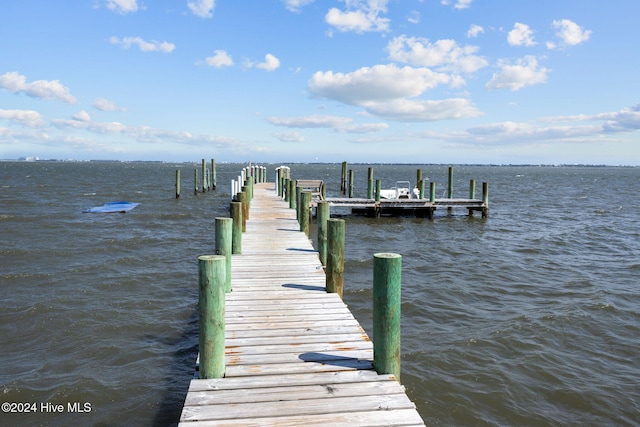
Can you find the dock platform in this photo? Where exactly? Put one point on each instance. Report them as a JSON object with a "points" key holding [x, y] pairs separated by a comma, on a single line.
{"points": [[419, 207], [294, 354]]}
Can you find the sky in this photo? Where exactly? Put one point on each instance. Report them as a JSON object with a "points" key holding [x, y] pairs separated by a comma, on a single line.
{"points": [[406, 81]]}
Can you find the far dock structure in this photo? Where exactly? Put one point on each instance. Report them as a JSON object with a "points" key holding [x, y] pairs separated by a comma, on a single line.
{"points": [[415, 202], [293, 353]]}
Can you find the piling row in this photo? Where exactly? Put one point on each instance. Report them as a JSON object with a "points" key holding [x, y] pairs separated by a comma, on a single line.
{"points": [[293, 353]]}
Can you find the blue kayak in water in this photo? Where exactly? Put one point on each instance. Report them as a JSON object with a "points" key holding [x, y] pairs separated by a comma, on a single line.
{"points": [[113, 207]]}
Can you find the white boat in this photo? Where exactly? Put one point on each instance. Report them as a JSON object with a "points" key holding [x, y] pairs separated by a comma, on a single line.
{"points": [[402, 190]]}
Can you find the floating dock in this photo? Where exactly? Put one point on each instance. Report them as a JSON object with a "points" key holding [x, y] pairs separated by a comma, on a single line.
{"points": [[294, 354]]}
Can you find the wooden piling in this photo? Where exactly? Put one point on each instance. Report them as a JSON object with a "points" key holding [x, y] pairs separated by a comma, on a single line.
{"points": [[418, 177], [211, 316], [335, 256], [224, 244], [378, 189], [323, 210], [350, 183], [370, 183], [213, 174], [279, 181], [387, 269], [177, 183], [485, 199], [204, 176], [292, 194], [195, 181], [450, 185], [343, 179], [286, 187], [298, 200], [305, 206], [242, 198], [236, 233]]}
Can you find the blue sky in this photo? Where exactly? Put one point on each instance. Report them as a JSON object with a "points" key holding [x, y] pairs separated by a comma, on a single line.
{"points": [[413, 81]]}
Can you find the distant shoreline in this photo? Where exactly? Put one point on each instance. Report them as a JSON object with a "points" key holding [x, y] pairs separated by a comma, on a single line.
{"points": [[562, 165]]}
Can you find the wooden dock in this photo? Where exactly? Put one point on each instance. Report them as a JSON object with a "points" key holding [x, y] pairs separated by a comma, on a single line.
{"points": [[295, 355], [419, 207]]}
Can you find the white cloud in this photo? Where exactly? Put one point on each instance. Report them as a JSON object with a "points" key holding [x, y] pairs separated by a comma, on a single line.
{"points": [[296, 5], [474, 31], [97, 127], [338, 124], [42, 89], [363, 128], [145, 46], [361, 16], [409, 110], [377, 83], [106, 105], [525, 72], [521, 35], [460, 4], [414, 17], [570, 33], [28, 118], [289, 136], [445, 54], [314, 121], [270, 63], [387, 91], [145, 134], [123, 6], [82, 116], [594, 128], [202, 8], [625, 120], [219, 59]]}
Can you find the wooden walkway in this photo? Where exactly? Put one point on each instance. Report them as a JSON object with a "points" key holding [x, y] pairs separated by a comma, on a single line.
{"points": [[295, 355]]}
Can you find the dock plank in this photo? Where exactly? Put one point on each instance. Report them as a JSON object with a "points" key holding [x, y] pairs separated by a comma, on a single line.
{"points": [[294, 354]]}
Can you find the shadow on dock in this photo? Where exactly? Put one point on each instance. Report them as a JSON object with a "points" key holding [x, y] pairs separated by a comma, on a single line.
{"points": [[304, 287]]}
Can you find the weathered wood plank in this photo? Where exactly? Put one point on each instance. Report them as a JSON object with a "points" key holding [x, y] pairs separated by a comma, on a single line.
{"points": [[398, 417], [298, 392], [380, 403]]}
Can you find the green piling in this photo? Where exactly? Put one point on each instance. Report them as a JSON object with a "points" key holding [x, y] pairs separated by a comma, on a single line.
{"points": [[236, 233], [335, 256], [224, 243], [323, 214], [387, 268], [242, 198], [305, 207], [211, 297], [292, 194]]}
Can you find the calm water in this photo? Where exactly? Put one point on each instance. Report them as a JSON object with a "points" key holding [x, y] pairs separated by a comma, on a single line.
{"points": [[529, 317]]}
